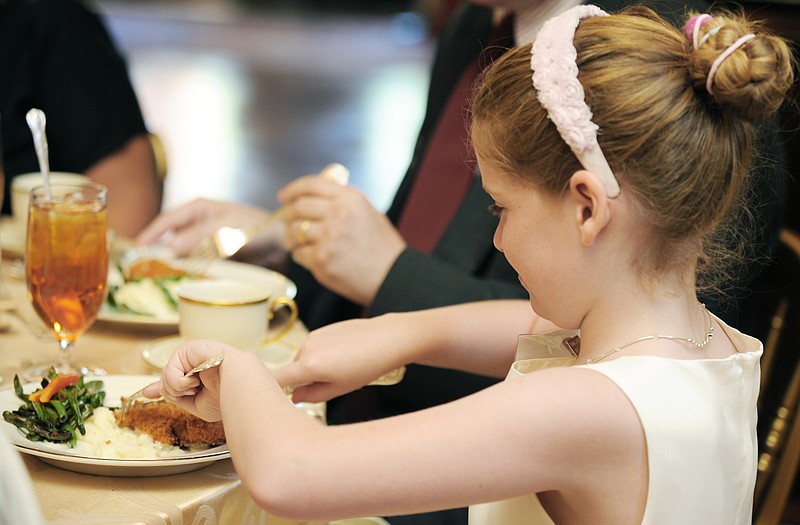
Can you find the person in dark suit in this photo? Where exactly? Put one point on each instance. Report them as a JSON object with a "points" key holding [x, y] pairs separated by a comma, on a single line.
{"points": [[433, 247]]}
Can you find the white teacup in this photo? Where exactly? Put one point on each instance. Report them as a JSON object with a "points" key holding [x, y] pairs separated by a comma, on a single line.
{"points": [[234, 312], [21, 187]]}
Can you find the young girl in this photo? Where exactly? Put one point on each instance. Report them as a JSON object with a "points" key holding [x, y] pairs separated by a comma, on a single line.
{"points": [[606, 214]]}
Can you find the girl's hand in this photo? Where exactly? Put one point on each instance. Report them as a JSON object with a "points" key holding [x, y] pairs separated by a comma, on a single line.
{"points": [[198, 394], [344, 357]]}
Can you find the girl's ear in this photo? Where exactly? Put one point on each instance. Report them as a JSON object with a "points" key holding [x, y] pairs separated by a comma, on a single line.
{"points": [[590, 199]]}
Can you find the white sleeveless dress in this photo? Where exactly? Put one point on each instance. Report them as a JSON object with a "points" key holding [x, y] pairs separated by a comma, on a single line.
{"points": [[699, 420]]}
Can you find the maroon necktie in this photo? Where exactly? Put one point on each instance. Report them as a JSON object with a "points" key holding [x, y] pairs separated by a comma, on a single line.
{"points": [[446, 171]]}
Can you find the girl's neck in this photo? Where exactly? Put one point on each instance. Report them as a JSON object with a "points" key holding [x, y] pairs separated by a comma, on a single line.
{"points": [[617, 323]]}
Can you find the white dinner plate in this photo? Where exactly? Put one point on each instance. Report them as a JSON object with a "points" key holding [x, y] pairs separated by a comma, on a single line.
{"points": [[156, 353], [278, 283], [60, 455]]}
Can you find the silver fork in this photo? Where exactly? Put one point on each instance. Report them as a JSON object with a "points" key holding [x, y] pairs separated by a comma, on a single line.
{"points": [[227, 241], [137, 396]]}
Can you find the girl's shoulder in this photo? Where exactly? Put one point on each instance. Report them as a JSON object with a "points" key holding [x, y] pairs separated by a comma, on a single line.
{"points": [[576, 400], [569, 418]]}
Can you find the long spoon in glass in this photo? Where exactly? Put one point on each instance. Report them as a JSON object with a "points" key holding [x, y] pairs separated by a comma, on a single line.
{"points": [[37, 122]]}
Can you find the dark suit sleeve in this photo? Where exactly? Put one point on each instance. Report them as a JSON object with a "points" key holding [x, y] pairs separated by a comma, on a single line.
{"points": [[465, 266], [418, 281]]}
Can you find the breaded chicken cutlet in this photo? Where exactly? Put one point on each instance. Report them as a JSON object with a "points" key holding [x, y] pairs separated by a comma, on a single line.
{"points": [[171, 425]]}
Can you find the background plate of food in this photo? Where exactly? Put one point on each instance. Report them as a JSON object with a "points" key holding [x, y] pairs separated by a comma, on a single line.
{"points": [[106, 449], [143, 292]]}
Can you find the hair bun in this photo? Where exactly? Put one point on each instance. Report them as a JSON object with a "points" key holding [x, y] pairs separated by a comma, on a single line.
{"points": [[747, 74]]}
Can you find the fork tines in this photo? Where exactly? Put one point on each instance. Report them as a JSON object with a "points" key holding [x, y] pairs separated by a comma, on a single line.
{"points": [[201, 257], [131, 400]]}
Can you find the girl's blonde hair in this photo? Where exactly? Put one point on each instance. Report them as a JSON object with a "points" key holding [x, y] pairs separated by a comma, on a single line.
{"points": [[680, 152]]}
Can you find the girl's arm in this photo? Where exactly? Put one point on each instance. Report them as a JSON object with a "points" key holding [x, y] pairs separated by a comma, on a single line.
{"points": [[564, 430], [475, 337], [568, 430]]}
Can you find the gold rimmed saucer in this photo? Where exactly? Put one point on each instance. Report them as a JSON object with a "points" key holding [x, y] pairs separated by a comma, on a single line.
{"points": [[156, 353]]}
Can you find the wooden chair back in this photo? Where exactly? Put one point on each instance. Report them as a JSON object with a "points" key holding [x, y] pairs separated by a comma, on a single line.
{"points": [[779, 406]]}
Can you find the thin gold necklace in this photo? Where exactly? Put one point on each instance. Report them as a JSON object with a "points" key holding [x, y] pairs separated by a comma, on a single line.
{"points": [[698, 344]]}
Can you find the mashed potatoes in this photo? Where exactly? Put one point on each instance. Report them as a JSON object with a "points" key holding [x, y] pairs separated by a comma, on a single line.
{"points": [[105, 439]]}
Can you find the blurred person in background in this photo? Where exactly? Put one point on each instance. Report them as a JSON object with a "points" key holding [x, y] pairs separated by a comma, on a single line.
{"points": [[56, 55], [433, 247]]}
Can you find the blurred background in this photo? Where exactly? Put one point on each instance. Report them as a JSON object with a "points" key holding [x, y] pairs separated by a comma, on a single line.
{"points": [[249, 94]]}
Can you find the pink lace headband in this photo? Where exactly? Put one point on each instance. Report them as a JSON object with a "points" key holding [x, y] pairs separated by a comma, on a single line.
{"points": [[555, 77], [691, 31]]}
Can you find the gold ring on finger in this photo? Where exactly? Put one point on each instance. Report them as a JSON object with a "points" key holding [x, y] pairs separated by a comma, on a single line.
{"points": [[302, 234]]}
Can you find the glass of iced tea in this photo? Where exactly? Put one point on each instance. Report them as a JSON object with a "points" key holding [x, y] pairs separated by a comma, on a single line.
{"points": [[67, 265]]}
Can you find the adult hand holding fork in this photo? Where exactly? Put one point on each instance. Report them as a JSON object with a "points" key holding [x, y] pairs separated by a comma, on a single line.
{"points": [[204, 230], [339, 236], [330, 229]]}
